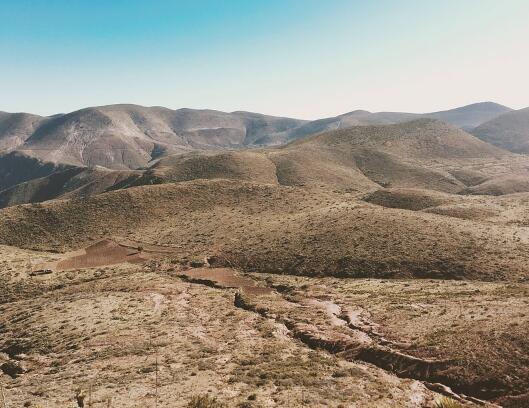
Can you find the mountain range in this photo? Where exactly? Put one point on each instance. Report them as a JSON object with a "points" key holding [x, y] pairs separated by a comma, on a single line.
{"points": [[103, 148], [130, 136], [394, 239]]}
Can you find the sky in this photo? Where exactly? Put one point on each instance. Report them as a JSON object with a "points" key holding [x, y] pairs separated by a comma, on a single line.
{"points": [[298, 58]]}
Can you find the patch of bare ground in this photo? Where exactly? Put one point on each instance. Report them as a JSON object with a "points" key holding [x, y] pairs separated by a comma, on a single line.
{"points": [[136, 318], [472, 333], [104, 252], [134, 336]]}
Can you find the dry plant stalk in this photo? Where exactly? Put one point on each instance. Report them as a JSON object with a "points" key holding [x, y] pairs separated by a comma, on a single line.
{"points": [[2, 396], [156, 378], [90, 396]]}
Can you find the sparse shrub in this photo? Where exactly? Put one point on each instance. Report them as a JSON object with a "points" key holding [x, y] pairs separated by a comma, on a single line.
{"points": [[445, 402], [205, 401], [80, 396]]}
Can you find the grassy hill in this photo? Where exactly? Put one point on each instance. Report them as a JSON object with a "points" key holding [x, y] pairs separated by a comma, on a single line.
{"points": [[281, 229]]}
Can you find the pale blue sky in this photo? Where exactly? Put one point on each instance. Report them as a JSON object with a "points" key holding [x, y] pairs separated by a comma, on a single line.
{"points": [[299, 58]]}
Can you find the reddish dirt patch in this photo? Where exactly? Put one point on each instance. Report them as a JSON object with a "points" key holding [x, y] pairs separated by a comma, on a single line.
{"points": [[225, 278], [105, 252]]}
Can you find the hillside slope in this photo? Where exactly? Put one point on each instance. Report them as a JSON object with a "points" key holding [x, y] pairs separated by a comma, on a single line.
{"points": [[424, 153], [75, 182], [277, 229], [129, 136], [465, 117], [15, 128], [469, 116], [361, 158], [16, 168], [509, 131]]}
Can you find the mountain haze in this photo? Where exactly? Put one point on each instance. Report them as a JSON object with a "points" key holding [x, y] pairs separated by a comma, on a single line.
{"points": [[470, 116], [131, 136], [509, 131], [465, 117], [423, 153]]}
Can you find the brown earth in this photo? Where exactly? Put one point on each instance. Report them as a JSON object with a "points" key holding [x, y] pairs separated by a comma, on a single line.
{"points": [[509, 131], [134, 335], [375, 266], [424, 153], [283, 229], [104, 252]]}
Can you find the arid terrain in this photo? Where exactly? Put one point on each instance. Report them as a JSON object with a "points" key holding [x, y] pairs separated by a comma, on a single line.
{"points": [[366, 260]]}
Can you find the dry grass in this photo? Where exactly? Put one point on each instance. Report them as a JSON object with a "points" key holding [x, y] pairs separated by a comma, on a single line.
{"points": [[205, 401], [445, 402], [95, 327], [280, 229], [297, 212]]}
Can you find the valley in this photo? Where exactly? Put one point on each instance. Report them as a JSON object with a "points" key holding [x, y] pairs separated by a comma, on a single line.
{"points": [[362, 265]]}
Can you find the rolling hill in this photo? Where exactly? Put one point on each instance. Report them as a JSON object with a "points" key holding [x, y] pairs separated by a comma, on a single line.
{"points": [[16, 168], [277, 229], [131, 136], [272, 206], [263, 271], [509, 131], [465, 117], [75, 182], [417, 154], [469, 116], [423, 153], [15, 128]]}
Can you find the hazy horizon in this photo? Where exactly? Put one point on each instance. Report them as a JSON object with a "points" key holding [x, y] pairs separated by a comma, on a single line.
{"points": [[302, 59], [243, 110]]}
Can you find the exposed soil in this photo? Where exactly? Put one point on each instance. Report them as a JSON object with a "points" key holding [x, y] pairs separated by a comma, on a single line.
{"points": [[134, 336], [104, 252], [224, 278], [357, 339], [377, 266]]}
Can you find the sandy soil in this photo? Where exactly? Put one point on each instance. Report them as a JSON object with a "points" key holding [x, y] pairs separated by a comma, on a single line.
{"points": [[133, 335]]}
